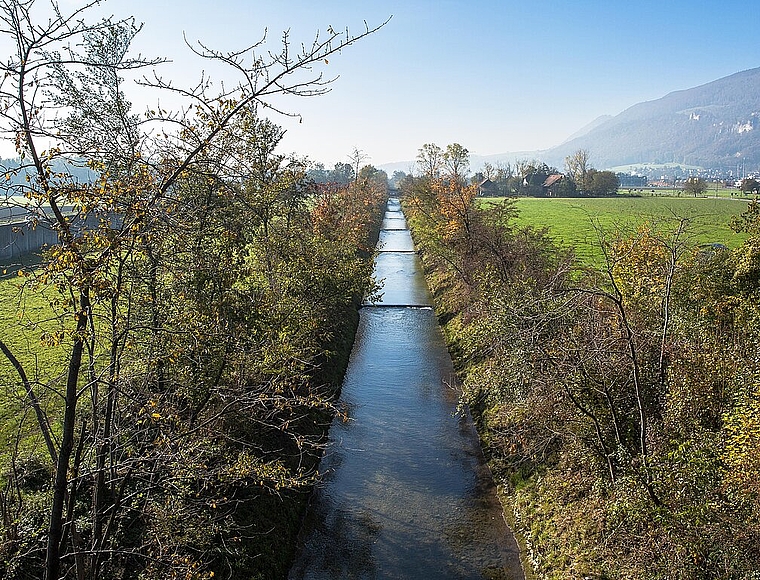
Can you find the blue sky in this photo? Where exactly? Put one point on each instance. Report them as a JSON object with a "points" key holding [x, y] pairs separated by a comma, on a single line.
{"points": [[495, 76]]}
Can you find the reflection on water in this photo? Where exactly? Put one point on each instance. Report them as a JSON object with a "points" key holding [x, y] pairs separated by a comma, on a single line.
{"points": [[395, 241], [405, 493], [403, 283], [394, 220]]}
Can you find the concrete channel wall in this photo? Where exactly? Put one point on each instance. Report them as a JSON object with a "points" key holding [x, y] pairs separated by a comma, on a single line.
{"points": [[20, 236]]}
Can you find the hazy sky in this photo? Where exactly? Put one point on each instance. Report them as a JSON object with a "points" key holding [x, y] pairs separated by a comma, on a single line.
{"points": [[495, 76]]}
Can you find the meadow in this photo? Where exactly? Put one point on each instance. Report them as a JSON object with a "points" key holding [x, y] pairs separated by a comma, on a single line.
{"points": [[26, 320], [579, 222]]}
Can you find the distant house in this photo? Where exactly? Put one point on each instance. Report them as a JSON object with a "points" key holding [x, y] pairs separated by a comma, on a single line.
{"points": [[551, 184], [487, 188]]}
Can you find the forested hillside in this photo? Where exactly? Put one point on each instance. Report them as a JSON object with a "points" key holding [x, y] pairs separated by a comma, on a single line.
{"points": [[619, 407], [168, 372], [715, 125]]}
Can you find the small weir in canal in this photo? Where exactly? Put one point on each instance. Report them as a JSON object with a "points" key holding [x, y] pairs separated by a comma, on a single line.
{"points": [[406, 493]]}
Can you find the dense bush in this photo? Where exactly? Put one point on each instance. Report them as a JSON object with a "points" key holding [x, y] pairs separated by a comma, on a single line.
{"points": [[618, 408]]}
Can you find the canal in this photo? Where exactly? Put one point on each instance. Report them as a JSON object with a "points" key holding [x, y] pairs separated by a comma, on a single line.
{"points": [[406, 493]]}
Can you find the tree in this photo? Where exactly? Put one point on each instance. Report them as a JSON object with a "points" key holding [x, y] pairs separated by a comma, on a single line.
{"points": [[629, 396], [565, 188], [534, 176], [371, 174], [357, 157], [578, 166], [342, 173], [71, 65], [505, 179], [397, 178], [600, 183], [489, 171], [430, 160], [456, 160], [120, 422], [750, 185], [695, 185], [524, 167], [318, 173]]}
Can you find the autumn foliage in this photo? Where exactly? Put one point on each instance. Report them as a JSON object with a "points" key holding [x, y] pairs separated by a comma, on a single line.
{"points": [[171, 360], [619, 408]]}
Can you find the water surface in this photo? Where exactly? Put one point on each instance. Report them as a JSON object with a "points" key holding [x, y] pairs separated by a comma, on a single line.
{"points": [[406, 493]]}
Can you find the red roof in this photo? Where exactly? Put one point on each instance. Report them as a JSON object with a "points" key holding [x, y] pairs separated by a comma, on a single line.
{"points": [[552, 179]]}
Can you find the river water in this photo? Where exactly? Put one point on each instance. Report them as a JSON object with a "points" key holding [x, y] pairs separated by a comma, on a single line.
{"points": [[406, 493]]}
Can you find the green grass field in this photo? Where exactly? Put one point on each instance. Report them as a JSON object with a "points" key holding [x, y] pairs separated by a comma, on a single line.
{"points": [[576, 222], [713, 190], [24, 317]]}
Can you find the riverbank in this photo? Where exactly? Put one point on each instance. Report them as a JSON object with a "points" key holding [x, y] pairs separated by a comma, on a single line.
{"points": [[616, 410], [284, 514], [443, 289], [231, 434]]}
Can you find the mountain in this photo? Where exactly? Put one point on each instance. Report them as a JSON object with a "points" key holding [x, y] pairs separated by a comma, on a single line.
{"points": [[588, 128], [716, 125]]}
